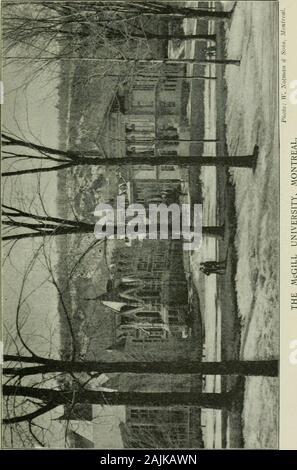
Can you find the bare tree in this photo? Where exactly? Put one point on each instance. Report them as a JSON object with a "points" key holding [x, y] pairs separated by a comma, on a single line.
{"points": [[47, 365], [33, 431], [30, 225], [87, 29], [62, 159], [51, 398]]}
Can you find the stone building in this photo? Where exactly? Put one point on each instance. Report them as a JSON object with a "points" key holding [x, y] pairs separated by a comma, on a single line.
{"points": [[149, 293], [146, 119], [153, 118], [156, 427]]}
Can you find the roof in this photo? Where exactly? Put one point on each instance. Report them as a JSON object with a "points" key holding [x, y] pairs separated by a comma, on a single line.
{"points": [[79, 411], [118, 346], [78, 441]]}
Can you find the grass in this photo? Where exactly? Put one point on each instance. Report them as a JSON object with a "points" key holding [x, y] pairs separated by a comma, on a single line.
{"points": [[226, 215]]}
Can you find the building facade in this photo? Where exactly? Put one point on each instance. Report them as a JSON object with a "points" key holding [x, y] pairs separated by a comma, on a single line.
{"points": [[153, 118], [149, 293], [155, 427]]}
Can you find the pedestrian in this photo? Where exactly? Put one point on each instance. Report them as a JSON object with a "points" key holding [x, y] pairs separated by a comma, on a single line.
{"points": [[213, 267]]}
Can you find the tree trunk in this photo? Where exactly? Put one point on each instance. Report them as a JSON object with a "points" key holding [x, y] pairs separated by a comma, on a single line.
{"points": [[170, 11], [164, 140], [179, 77], [169, 37], [199, 13], [43, 230], [213, 231], [150, 9], [217, 401], [236, 367], [244, 161], [157, 61], [129, 60], [90, 158]]}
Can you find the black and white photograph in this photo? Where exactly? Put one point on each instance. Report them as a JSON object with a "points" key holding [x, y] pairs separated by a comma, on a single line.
{"points": [[140, 224]]}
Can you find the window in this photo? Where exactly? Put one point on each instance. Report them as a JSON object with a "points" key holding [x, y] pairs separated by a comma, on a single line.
{"points": [[158, 265], [142, 86], [134, 428], [134, 413], [167, 168], [148, 315], [154, 414], [143, 167], [169, 104], [144, 265], [168, 152], [140, 104], [142, 414], [178, 415], [148, 293], [170, 85], [173, 317]]}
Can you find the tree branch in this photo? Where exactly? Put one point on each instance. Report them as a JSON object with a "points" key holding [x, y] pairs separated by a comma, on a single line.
{"points": [[30, 416]]}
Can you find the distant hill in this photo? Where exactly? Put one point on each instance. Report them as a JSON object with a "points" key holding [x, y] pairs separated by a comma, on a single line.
{"points": [[82, 110]]}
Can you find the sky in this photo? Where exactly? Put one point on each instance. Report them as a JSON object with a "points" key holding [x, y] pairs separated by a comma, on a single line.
{"points": [[31, 113]]}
